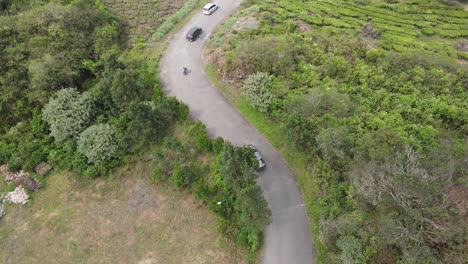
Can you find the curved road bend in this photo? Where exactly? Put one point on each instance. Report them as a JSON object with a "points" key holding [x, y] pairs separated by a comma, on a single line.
{"points": [[288, 238]]}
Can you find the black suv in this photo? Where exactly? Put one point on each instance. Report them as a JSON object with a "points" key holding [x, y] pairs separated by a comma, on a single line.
{"points": [[193, 33]]}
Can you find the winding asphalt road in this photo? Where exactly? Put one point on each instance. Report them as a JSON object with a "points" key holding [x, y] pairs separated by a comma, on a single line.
{"points": [[287, 239]]}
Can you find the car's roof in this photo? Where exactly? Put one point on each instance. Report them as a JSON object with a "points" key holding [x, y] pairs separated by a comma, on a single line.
{"points": [[192, 29], [258, 155], [207, 6]]}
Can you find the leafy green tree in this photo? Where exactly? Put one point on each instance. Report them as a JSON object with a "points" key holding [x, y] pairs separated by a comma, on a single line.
{"points": [[237, 167], [257, 89], [335, 144], [68, 113], [98, 143], [126, 88], [302, 132], [143, 124], [253, 213]]}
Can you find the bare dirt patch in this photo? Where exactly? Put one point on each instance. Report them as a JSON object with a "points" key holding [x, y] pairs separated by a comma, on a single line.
{"points": [[125, 220], [247, 22], [141, 18], [459, 196], [303, 26]]}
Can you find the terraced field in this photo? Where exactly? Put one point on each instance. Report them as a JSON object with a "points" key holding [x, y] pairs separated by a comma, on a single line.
{"points": [[410, 25]]}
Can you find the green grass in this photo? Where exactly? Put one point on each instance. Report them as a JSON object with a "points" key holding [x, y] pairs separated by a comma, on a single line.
{"points": [[276, 136]]}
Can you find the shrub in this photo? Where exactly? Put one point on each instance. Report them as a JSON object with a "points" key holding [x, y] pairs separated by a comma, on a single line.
{"points": [[198, 133], [257, 89], [218, 145], [126, 87], [351, 250], [98, 143], [428, 31], [144, 123], [68, 113], [183, 176]]}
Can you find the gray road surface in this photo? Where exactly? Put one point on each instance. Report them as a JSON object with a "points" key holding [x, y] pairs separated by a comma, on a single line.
{"points": [[288, 237]]}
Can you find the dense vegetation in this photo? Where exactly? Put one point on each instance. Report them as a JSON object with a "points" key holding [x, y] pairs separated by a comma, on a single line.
{"points": [[402, 25], [64, 71], [384, 129], [221, 176], [73, 96]]}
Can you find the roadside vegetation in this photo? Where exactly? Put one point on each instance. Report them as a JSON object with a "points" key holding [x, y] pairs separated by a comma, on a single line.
{"points": [[72, 94], [373, 126]]}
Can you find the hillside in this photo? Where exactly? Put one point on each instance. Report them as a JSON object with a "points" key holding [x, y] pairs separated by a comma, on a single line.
{"points": [[368, 102]]}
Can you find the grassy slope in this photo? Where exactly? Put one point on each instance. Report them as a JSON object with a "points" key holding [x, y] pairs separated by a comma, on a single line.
{"points": [[121, 220], [312, 13]]}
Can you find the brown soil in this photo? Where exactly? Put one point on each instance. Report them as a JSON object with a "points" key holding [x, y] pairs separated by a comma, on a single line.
{"points": [[141, 18], [303, 26], [459, 196], [247, 22]]}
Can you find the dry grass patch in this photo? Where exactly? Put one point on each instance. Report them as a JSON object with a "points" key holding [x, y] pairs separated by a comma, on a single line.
{"points": [[123, 220]]}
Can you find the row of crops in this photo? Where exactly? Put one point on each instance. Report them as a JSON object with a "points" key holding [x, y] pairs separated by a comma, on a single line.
{"points": [[412, 25]]}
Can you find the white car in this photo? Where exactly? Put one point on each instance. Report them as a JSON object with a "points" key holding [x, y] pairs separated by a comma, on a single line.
{"points": [[208, 9]]}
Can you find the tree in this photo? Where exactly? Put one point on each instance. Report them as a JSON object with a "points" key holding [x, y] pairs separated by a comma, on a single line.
{"points": [[126, 87], [335, 144], [257, 89], [68, 113], [253, 213], [144, 124], [237, 167], [98, 143]]}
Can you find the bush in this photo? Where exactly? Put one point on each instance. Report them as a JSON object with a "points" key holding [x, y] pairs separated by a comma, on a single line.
{"points": [[98, 143], [218, 145], [351, 250], [257, 89], [198, 134], [143, 123], [335, 144], [68, 113], [428, 31], [183, 176]]}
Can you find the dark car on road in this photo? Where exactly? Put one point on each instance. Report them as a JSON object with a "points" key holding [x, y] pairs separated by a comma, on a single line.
{"points": [[261, 162], [193, 33]]}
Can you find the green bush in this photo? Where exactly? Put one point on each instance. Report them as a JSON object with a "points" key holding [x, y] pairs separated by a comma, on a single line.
{"points": [[428, 31], [183, 176], [98, 143], [351, 250], [257, 88], [68, 113], [197, 131]]}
